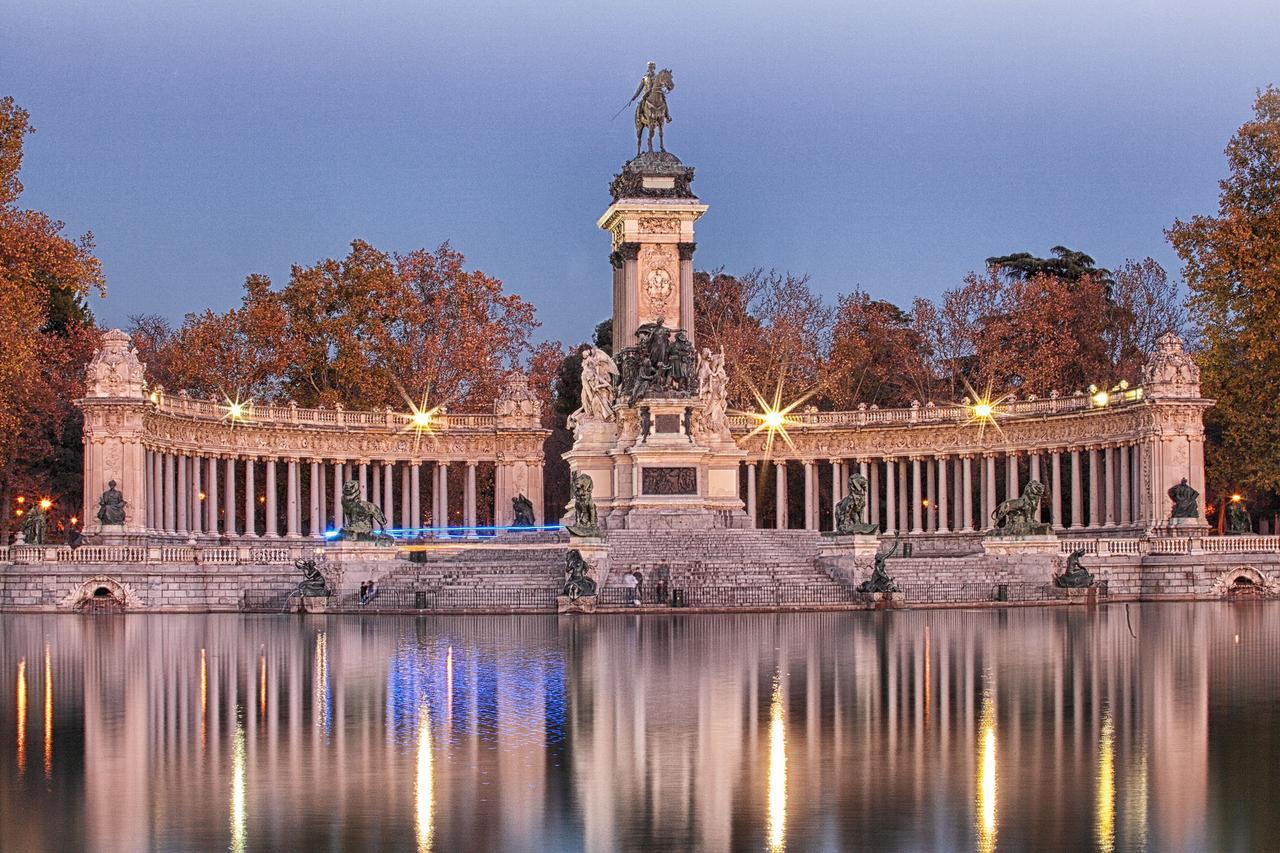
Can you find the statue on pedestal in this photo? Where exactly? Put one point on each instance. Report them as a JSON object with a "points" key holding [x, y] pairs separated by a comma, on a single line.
{"points": [[713, 389], [850, 508], [35, 525], [1075, 576], [599, 387], [652, 111], [111, 505], [1238, 522], [1020, 516], [577, 583], [585, 522], [359, 517], [1184, 499], [522, 512], [313, 584], [880, 580]]}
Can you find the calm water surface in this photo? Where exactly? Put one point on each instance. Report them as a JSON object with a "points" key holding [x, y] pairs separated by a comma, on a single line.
{"points": [[1023, 729]]}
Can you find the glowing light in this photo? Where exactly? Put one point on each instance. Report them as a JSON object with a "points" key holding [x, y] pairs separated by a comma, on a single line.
{"points": [[320, 697], [423, 788], [421, 418], [21, 499], [987, 781], [48, 715], [1100, 398], [22, 716], [773, 418], [1235, 499], [18, 512], [202, 496], [982, 410], [1106, 807], [238, 816], [777, 771], [74, 521], [985, 410], [262, 685], [237, 410], [46, 504]]}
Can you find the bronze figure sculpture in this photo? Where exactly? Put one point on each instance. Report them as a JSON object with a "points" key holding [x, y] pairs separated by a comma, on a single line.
{"points": [[1184, 500], [111, 505], [652, 111], [360, 517], [880, 580], [585, 522], [1020, 516], [577, 583], [850, 508], [1075, 576], [522, 512]]}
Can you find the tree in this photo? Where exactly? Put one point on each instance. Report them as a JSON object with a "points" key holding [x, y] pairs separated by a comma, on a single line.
{"points": [[1066, 264], [48, 335], [1231, 263], [877, 354]]}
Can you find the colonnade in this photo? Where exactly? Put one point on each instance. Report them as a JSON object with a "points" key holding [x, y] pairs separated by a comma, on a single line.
{"points": [[1089, 487], [224, 495]]}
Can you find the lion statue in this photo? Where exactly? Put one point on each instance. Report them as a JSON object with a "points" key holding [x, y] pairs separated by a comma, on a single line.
{"points": [[1020, 516], [359, 517]]}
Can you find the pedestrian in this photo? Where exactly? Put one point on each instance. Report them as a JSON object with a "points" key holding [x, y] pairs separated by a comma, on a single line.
{"points": [[629, 587], [364, 588], [639, 586], [660, 589]]}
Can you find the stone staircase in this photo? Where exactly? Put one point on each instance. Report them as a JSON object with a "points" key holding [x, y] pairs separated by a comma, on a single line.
{"points": [[728, 568], [516, 578]]}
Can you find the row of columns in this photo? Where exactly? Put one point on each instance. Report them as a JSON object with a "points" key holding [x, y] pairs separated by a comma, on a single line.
{"points": [[940, 493], [198, 495]]}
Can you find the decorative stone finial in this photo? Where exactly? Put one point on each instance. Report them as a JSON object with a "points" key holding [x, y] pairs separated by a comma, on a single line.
{"points": [[517, 405], [115, 370], [1170, 372]]}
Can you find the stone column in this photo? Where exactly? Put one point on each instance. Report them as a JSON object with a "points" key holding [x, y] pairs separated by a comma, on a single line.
{"points": [[873, 492], [184, 494], [1055, 498], [320, 487], [364, 480], [229, 505], [904, 517], [443, 472], [415, 494], [1012, 487], [943, 462], [837, 488], [339, 475], [315, 524], [211, 498], [170, 502], [197, 505], [1095, 506], [931, 494], [405, 508], [1126, 509], [751, 493], [157, 491], [966, 493], [780, 470], [469, 511], [1077, 490], [1109, 456], [810, 523], [273, 514], [916, 498], [890, 495], [862, 469], [250, 508], [388, 494], [685, 251], [989, 505], [293, 511], [1034, 458], [375, 493]]}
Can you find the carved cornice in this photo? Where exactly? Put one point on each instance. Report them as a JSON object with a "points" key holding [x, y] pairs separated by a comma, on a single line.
{"points": [[686, 250], [625, 252]]}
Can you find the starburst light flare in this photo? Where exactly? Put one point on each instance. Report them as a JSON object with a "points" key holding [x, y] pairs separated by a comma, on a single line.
{"points": [[985, 409], [421, 418], [773, 418], [237, 411]]}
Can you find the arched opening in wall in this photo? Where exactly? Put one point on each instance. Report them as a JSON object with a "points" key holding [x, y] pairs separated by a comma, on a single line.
{"points": [[1244, 587], [101, 597], [1242, 583]]}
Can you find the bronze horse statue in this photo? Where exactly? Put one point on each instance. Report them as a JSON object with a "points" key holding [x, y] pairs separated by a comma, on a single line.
{"points": [[652, 112]]}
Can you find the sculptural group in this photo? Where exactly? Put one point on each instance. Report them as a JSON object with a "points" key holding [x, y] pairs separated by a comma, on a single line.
{"points": [[1020, 516], [360, 517], [663, 363], [1075, 576], [577, 584], [880, 582]]}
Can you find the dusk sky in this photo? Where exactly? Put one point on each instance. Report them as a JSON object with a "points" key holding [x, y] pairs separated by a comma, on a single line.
{"points": [[886, 145]]}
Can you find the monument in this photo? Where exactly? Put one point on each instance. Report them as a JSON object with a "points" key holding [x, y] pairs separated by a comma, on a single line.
{"points": [[651, 434]]}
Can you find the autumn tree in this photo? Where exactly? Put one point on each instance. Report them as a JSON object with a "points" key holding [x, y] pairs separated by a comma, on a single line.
{"points": [[878, 354], [45, 277], [1231, 263]]}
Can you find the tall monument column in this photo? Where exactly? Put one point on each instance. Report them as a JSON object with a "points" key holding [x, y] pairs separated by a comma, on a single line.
{"points": [[114, 406]]}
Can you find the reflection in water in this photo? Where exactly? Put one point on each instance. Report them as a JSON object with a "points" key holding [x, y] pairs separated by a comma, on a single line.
{"points": [[238, 818], [22, 716], [1107, 785], [834, 731], [777, 770], [48, 714], [987, 775], [422, 789]]}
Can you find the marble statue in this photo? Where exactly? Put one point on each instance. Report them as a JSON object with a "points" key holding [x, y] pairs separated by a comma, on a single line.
{"points": [[850, 508], [652, 112], [576, 582], [585, 522], [111, 505], [313, 583], [1238, 519], [880, 580], [1184, 498], [599, 379], [1075, 576], [1020, 516], [359, 517], [522, 512], [713, 389]]}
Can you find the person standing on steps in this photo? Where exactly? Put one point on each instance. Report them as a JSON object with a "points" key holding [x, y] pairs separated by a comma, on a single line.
{"points": [[629, 585]]}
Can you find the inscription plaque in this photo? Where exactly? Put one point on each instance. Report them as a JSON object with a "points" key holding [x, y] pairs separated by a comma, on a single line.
{"points": [[667, 423], [669, 481]]}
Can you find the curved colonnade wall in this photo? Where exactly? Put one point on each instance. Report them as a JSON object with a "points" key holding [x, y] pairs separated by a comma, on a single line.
{"points": [[192, 468]]}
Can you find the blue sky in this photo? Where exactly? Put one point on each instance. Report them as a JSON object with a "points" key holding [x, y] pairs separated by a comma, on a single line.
{"points": [[886, 145]]}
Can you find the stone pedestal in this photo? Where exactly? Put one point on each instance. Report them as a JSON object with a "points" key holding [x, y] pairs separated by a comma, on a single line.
{"points": [[1191, 527], [848, 557], [886, 600], [341, 552], [585, 604], [1019, 546]]}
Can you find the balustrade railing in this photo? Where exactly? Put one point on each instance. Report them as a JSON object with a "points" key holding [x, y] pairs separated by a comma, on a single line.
{"points": [[253, 413]]}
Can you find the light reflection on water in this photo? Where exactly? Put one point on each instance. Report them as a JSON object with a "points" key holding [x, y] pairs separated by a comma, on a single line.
{"points": [[942, 730]]}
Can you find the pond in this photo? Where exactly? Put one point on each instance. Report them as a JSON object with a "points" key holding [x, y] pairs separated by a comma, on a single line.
{"points": [[1113, 728]]}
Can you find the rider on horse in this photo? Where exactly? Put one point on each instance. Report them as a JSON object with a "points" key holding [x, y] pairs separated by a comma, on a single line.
{"points": [[647, 84]]}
